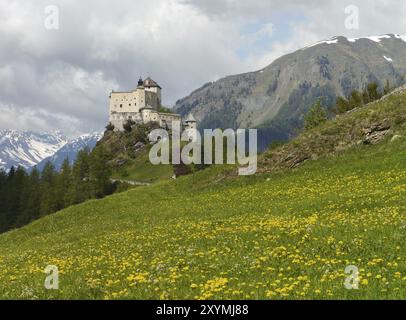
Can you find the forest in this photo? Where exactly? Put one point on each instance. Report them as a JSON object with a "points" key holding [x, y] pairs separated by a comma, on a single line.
{"points": [[27, 196]]}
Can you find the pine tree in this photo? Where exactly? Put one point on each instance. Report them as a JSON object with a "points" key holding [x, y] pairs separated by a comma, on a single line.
{"points": [[3, 188], [32, 199], [80, 189], [355, 100], [47, 187], [387, 87], [63, 185], [342, 105], [316, 116], [15, 193], [99, 173], [365, 97], [373, 92]]}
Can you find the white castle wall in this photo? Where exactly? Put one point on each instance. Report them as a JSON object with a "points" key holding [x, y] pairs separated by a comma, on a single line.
{"points": [[141, 106]]}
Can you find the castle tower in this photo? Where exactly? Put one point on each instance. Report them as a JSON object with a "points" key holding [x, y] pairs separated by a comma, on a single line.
{"points": [[191, 127], [140, 82], [190, 122], [152, 86]]}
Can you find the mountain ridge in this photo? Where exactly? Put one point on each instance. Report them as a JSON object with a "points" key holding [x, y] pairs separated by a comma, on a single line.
{"points": [[28, 149], [276, 97], [70, 149]]}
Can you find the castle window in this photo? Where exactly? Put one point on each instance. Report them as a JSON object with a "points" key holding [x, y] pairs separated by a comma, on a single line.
{"points": [[121, 105], [130, 104]]}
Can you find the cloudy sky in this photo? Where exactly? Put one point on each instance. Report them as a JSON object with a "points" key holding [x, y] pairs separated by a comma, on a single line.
{"points": [[59, 79]]}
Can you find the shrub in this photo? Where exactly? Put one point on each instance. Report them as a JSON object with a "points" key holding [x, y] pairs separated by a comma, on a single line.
{"points": [[110, 127], [128, 125]]}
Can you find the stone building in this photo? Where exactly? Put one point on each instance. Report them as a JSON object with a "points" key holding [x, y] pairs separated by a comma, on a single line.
{"points": [[142, 105]]}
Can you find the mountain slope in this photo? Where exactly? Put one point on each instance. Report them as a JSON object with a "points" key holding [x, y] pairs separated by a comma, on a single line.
{"points": [[19, 148], [383, 120], [277, 96], [279, 235], [70, 150]]}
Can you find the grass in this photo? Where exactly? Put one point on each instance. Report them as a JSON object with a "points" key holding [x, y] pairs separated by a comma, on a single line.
{"points": [[284, 235], [287, 234], [340, 134], [141, 169]]}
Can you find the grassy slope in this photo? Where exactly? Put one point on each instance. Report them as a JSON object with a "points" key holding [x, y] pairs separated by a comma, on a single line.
{"points": [[288, 234], [141, 169]]}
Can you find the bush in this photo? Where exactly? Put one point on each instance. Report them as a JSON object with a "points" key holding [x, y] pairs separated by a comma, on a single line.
{"points": [[355, 100], [110, 127], [342, 105], [128, 125]]}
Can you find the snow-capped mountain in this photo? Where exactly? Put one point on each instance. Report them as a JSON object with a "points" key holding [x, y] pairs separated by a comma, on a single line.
{"points": [[29, 149], [70, 150], [26, 148], [276, 98]]}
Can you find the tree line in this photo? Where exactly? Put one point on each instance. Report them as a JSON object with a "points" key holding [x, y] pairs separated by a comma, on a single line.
{"points": [[25, 197], [318, 113]]}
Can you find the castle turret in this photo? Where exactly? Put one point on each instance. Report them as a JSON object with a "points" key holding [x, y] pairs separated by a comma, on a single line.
{"points": [[140, 82], [190, 122], [191, 127], [152, 86]]}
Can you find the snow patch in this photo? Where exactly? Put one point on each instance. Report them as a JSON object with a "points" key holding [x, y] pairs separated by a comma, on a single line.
{"points": [[398, 36], [388, 59], [331, 41], [378, 39], [25, 148]]}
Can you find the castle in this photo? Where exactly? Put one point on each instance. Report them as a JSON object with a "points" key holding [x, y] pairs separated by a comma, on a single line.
{"points": [[143, 105]]}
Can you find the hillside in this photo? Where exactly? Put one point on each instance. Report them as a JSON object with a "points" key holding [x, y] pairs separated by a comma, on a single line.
{"points": [[276, 97], [379, 121], [128, 156], [281, 234]]}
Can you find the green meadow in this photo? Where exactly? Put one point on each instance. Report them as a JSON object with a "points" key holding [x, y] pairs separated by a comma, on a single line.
{"points": [[287, 234]]}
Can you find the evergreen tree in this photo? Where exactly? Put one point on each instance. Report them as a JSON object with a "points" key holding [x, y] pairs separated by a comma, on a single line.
{"points": [[373, 92], [32, 199], [80, 190], [63, 185], [316, 116], [3, 188], [99, 173], [47, 187], [342, 105], [355, 100], [15, 193], [387, 87], [365, 97]]}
